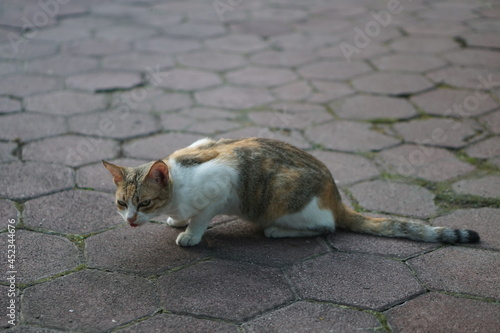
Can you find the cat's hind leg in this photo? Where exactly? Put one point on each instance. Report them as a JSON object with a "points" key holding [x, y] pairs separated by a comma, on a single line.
{"points": [[310, 221], [177, 224]]}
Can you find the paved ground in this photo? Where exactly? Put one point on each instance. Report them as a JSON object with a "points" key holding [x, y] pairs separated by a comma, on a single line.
{"points": [[400, 100]]}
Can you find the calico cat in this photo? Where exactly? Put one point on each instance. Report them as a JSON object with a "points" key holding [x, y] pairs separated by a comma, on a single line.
{"points": [[284, 189]]}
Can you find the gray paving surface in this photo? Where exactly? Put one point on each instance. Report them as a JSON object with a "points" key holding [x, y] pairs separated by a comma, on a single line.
{"points": [[399, 99]]}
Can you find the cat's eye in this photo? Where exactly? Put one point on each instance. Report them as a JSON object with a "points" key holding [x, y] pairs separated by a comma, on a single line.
{"points": [[121, 203], [145, 203]]}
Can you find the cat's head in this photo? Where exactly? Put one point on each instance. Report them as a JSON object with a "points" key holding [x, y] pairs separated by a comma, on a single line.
{"points": [[142, 192]]}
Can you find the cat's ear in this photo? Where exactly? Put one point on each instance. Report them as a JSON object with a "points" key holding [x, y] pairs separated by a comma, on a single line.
{"points": [[116, 171], [158, 173]]}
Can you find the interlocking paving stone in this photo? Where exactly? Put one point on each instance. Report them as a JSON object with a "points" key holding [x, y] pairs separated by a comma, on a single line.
{"points": [[62, 34], [8, 105], [73, 309], [189, 79], [170, 101], [26, 126], [96, 47], [421, 44], [355, 280], [114, 124], [443, 313], [30, 179], [211, 60], [26, 50], [196, 30], [312, 317], [483, 220], [333, 70], [294, 91], [347, 168], [258, 289], [72, 212], [392, 83], [435, 28], [439, 132], [96, 177], [234, 97], [71, 150], [279, 14], [62, 64], [22, 85], [465, 57], [179, 324], [459, 270], [455, 103], [393, 197], [7, 152], [158, 146], [328, 91], [40, 255], [485, 149], [214, 127], [245, 241], [237, 43], [387, 247], [483, 39], [486, 187], [167, 45], [373, 107], [349, 136], [370, 52], [492, 122], [260, 77], [8, 209], [65, 102], [137, 61], [303, 41], [429, 163], [276, 119], [102, 81], [409, 62], [146, 250], [466, 77], [264, 28], [285, 58], [124, 33]]}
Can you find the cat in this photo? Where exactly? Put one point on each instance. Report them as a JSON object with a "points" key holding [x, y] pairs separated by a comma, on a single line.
{"points": [[286, 190]]}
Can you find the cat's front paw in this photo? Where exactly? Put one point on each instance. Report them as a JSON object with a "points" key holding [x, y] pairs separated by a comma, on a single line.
{"points": [[185, 239], [176, 224]]}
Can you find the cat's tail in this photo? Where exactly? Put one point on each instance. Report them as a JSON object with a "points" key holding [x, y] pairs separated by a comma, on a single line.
{"points": [[388, 227]]}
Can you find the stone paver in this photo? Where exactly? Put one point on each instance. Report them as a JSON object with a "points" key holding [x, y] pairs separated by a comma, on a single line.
{"points": [[486, 187], [373, 107], [354, 280], [443, 313], [259, 289], [392, 197], [429, 163], [392, 83], [350, 136], [41, 255], [72, 212], [405, 114], [457, 269], [121, 298], [27, 180], [312, 317]]}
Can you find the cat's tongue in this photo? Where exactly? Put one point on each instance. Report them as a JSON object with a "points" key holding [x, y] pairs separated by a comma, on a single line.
{"points": [[133, 225]]}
